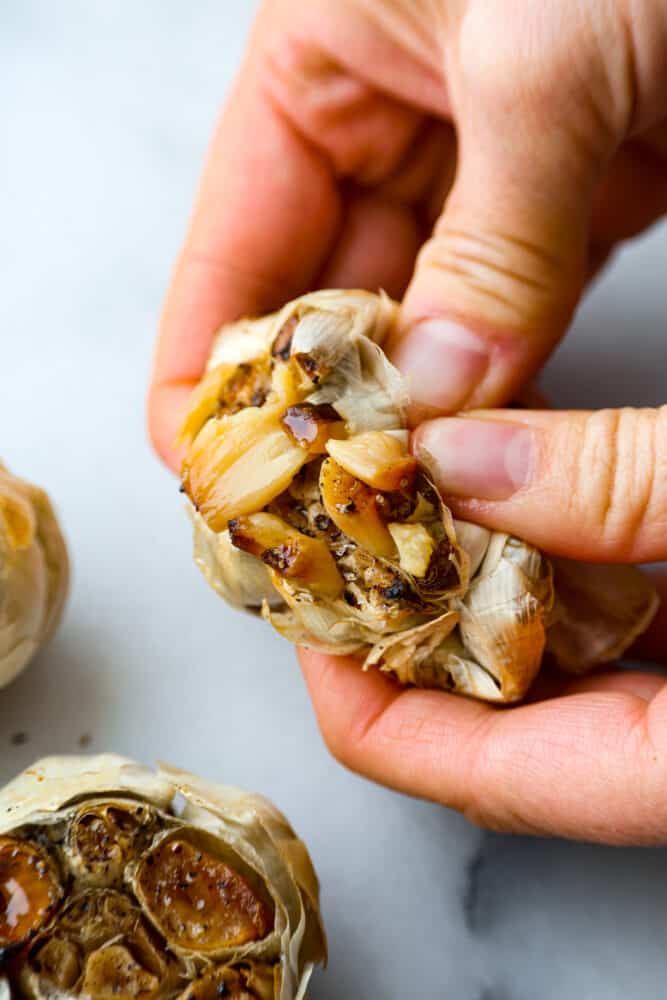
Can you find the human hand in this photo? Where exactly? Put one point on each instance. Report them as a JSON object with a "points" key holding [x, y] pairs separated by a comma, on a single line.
{"points": [[332, 161], [336, 151], [585, 758]]}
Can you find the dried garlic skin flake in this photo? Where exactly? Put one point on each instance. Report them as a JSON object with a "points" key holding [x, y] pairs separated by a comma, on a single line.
{"points": [[308, 508], [34, 573], [108, 891]]}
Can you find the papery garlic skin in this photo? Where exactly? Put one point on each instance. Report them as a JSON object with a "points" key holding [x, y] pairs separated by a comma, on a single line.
{"points": [[437, 603], [138, 900], [34, 573]]}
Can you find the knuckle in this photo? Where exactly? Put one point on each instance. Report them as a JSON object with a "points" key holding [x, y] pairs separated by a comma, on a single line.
{"points": [[620, 478], [507, 280]]}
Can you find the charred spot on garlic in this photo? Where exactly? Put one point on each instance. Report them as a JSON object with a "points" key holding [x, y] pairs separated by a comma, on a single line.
{"points": [[355, 551], [113, 894]]}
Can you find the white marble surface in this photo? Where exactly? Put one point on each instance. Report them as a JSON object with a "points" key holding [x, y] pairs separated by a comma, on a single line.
{"points": [[106, 111]]}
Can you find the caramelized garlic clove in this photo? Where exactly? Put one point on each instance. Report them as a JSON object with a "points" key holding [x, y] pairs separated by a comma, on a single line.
{"points": [[204, 402], [415, 547], [29, 891], [112, 973], [352, 506], [197, 901], [238, 464], [376, 458], [102, 839], [288, 552]]}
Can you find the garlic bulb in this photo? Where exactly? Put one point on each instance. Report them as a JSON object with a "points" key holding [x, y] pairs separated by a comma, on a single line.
{"points": [[308, 508], [34, 573], [108, 891]]}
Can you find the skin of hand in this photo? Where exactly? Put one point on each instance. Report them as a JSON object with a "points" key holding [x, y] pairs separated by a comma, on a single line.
{"points": [[484, 163]]}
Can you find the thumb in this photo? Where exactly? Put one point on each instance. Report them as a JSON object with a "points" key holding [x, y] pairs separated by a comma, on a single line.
{"points": [[589, 486], [496, 285]]}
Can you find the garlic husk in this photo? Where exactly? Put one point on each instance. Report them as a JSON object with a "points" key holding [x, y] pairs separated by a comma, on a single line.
{"points": [[243, 831], [438, 603], [34, 573], [503, 614], [599, 611]]}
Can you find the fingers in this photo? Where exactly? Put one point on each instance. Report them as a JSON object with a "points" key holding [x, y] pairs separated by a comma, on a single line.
{"points": [[496, 285], [589, 766], [582, 485], [270, 221], [267, 213], [376, 247]]}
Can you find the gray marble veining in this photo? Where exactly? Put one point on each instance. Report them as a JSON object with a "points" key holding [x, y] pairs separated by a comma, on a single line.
{"points": [[107, 111]]}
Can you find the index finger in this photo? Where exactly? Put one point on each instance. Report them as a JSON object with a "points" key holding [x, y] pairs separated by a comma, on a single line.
{"points": [[266, 214]]}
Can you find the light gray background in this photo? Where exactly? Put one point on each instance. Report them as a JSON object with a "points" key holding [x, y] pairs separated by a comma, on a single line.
{"points": [[106, 111]]}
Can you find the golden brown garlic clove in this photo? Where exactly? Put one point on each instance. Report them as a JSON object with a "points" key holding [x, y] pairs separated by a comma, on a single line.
{"points": [[377, 458], [415, 547], [353, 508], [59, 962], [205, 401], [288, 552], [238, 464], [197, 901], [29, 891], [103, 837], [112, 973], [242, 983], [100, 945]]}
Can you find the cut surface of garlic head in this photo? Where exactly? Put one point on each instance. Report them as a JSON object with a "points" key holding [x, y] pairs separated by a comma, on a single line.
{"points": [[34, 573], [109, 891], [308, 507]]}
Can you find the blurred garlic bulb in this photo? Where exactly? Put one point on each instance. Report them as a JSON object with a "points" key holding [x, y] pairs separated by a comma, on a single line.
{"points": [[108, 892], [34, 573], [308, 508]]}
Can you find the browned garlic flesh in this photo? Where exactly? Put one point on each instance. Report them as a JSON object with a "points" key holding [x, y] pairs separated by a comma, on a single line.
{"points": [[308, 506], [106, 892]]}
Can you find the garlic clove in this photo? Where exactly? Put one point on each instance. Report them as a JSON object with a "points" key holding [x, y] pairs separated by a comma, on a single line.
{"points": [[352, 506], [205, 401], [288, 552], [415, 547], [379, 459], [240, 463]]}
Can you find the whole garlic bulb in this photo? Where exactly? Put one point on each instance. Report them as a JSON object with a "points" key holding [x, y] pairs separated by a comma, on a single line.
{"points": [[110, 891], [308, 507], [34, 573]]}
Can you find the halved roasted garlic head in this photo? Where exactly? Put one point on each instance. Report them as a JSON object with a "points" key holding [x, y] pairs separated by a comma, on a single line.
{"points": [[34, 573], [108, 893], [308, 507]]}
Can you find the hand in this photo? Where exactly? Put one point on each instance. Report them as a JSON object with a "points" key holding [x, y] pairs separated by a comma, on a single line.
{"points": [[340, 141], [350, 124], [586, 758]]}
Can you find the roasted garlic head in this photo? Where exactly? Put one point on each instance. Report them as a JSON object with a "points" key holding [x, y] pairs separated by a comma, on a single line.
{"points": [[308, 508], [107, 892], [34, 573]]}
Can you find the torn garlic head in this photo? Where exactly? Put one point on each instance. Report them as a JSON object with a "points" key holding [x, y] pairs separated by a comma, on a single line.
{"points": [[307, 504], [34, 573], [114, 894]]}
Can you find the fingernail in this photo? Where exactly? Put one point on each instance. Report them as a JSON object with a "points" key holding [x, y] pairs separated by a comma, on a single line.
{"points": [[443, 363], [485, 459]]}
